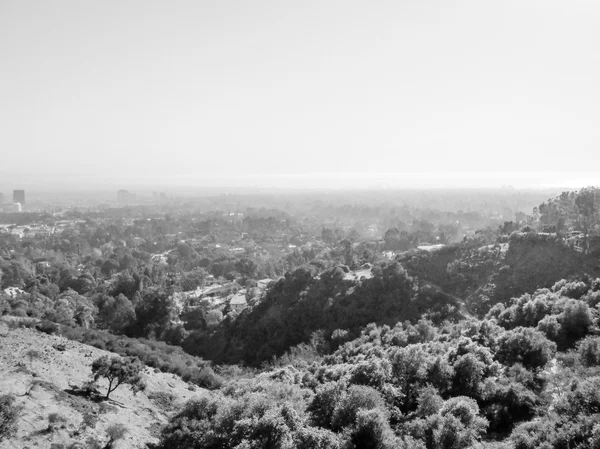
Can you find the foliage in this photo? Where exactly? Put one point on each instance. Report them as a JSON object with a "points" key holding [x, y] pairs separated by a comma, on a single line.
{"points": [[48, 327], [395, 359], [154, 354], [115, 432], [55, 420], [165, 400], [303, 303], [9, 416], [119, 371]]}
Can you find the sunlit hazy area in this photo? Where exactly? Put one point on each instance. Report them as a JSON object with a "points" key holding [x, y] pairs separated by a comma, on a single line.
{"points": [[312, 94]]}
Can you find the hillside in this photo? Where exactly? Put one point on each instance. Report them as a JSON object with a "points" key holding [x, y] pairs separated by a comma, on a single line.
{"points": [[490, 274], [526, 376], [305, 302], [43, 382]]}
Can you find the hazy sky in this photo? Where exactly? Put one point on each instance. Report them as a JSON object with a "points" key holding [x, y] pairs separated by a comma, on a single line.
{"points": [[126, 93]]}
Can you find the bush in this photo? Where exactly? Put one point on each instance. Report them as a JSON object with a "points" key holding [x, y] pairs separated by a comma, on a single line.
{"points": [[165, 400], [48, 327], [115, 432], [576, 320], [89, 420], [323, 404], [458, 424], [9, 416], [207, 378], [527, 346], [357, 398], [430, 402], [33, 354], [589, 351], [316, 438], [372, 431], [170, 358], [55, 420]]}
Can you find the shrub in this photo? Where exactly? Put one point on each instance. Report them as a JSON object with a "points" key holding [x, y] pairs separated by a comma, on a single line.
{"points": [[92, 443], [358, 397], [468, 374], [323, 404], [527, 346], [9, 416], [589, 351], [316, 438], [115, 432], [551, 327], [48, 327], [373, 373], [372, 430], [207, 378], [576, 320], [457, 426], [164, 400], [33, 354], [60, 346], [89, 420], [55, 420], [430, 402]]}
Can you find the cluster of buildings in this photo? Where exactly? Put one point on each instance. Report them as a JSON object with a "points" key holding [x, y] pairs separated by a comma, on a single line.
{"points": [[129, 198], [17, 204], [39, 229], [126, 197]]}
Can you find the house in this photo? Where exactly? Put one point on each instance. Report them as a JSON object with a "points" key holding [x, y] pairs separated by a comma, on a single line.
{"points": [[238, 301]]}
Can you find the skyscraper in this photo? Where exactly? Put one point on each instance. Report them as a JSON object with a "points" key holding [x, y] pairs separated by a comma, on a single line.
{"points": [[125, 196], [1, 198], [19, 197]]}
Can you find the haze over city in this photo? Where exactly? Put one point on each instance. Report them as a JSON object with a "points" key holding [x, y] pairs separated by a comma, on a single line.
{"points": [[333, 94]]}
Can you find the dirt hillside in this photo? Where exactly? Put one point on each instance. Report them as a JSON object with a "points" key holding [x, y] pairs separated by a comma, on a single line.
{"points": [[41, 371]]}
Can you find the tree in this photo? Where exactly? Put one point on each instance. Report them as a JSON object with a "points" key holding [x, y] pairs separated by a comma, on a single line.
{"points": [[110, 266], [119, 371], [575, 321], [193, 279], [527, 346], [392, 238], [459, 424], [116, 313], [587, 212], [9, 416], [372, 430], [246, 267], [357, 397], [468, 374], [327, 235], [589, 351]]}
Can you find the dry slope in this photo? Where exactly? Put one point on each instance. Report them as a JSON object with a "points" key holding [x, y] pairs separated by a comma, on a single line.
{"points": [[43, 378]]}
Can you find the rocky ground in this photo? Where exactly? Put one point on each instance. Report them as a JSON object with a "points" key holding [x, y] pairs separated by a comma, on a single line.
{"points": [[42, 370]]}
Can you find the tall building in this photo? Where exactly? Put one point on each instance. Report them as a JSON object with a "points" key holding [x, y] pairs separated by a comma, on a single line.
{"points": [[1, 198], [122, 196], [19, 197], [125, 196]]}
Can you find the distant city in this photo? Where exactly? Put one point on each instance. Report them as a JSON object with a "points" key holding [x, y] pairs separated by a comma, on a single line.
{"points": [[53, 202], [17, 204]]}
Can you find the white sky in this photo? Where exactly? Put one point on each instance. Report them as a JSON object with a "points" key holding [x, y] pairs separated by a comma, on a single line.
{"points": [[292, 93]]}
